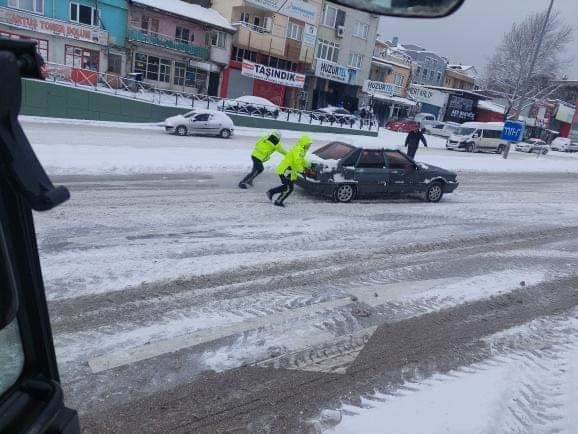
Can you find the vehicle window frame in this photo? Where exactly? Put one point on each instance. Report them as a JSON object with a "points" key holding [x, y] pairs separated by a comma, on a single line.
{"points": [[371, 150], [410, 165]]}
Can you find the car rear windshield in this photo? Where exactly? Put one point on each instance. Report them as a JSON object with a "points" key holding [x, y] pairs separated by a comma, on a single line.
{"points": [[334, 151]]}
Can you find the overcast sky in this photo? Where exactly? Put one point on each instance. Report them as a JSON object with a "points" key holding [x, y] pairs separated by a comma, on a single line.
{"points": [[470, 35]]}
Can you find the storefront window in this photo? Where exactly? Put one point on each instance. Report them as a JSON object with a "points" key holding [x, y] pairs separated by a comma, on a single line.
{"points": [[189, 76], [36, 6], [165, 71], [41, 44], [115, 63], [81, 58]]}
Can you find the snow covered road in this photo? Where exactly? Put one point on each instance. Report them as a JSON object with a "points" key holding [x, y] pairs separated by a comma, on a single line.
{"points": [[176, 295]]}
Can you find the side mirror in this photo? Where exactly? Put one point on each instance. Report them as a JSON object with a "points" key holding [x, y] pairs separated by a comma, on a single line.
{"points": [[475, 136]]}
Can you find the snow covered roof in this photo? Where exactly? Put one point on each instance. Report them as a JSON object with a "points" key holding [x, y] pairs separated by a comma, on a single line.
{"points": [[189, 11], [491, 107]]}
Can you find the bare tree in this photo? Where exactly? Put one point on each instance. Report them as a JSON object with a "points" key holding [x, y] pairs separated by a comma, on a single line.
{"points": [[508, 68]]}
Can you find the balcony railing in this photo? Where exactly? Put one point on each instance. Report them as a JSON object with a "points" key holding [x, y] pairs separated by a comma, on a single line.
{"points": [[166, 41], [252, 27]]}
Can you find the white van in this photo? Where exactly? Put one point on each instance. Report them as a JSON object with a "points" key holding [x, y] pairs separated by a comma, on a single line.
{"points": [[478, 137]]}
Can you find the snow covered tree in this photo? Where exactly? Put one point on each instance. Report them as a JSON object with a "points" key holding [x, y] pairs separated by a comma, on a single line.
{"points": [[508, 69]]}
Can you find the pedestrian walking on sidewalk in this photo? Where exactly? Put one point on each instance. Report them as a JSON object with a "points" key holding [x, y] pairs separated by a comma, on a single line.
{"points": [[263, 150], [412, 141], [289, 169]]}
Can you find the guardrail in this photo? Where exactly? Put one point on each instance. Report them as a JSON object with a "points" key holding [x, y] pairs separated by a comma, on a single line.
{"points": [[130, 87]]}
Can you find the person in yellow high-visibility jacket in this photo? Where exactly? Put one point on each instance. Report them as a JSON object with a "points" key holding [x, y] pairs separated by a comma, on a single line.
{"points": [[289, 169], [263, 150]]}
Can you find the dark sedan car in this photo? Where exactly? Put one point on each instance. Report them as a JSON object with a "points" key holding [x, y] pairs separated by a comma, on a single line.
{"points": [[344, 172]]}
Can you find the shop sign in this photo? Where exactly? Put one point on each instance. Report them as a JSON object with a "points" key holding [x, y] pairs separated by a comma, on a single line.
{"points": [[23, 20], [297, 9], [332, 71], [460, 109], [565, 114], [379, 88], [309, 35], [273, 75], [427, 96]]}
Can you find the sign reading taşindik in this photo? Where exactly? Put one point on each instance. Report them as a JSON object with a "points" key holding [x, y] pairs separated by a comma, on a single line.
{"points": [[273, 75]]}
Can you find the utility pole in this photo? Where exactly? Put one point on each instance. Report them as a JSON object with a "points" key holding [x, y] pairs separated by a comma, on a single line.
{"points": [[533, 62], [526, 82]]}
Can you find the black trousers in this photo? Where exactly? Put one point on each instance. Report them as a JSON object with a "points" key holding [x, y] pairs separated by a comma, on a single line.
{"points": [[284, 190], [256, 171], [411, 150]]}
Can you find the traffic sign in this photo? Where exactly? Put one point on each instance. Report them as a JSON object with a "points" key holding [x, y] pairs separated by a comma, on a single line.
{"points": [[513, 131]]}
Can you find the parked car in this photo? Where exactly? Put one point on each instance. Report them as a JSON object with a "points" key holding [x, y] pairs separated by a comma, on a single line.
{"points": [[252, 105], [537, 146], [426, 119], [442, 129], [477, 137], [334, 115], [344, 172], [402, 126], [560, 144], [572, 147], [202, 122]]}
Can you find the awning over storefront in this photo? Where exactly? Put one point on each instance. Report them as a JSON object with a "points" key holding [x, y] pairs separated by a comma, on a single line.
{"points": [[395, 100]]}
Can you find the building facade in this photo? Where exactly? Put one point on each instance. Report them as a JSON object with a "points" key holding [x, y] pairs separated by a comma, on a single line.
{"points": [[386, 89], [460, 77], [428, 67], [343, 57], [177, 45], [272, 49], [82, 34]]}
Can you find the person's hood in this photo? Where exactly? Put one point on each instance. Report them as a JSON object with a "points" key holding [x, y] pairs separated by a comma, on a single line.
{"points": [[276, 134], [305, 142]]}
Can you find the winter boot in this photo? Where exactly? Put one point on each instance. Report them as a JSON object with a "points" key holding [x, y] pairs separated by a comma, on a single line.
{"points": [[243, 185]]}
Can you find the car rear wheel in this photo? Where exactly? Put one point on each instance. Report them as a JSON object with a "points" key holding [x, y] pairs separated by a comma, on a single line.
{"points": [[434, 192], [544, 151], [344, 193], [225, 133], [181, 130], [501, 149]]}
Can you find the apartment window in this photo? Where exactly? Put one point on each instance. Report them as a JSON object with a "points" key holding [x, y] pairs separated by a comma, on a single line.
{"points": [[398, 80], [245, 17], [329, 16], [36, 6], [439, 77], [189, 76], [356, 60], [83, 14], [294, 31], [239, 54], [218, 39], [361, 30], [182, 35], [258, 21], [431, 76], [333, 17], [424, 74], [327, 50]]}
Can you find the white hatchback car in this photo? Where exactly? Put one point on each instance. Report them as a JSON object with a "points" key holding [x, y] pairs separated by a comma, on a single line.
{"points": [[560, 144], [201, 122]]}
